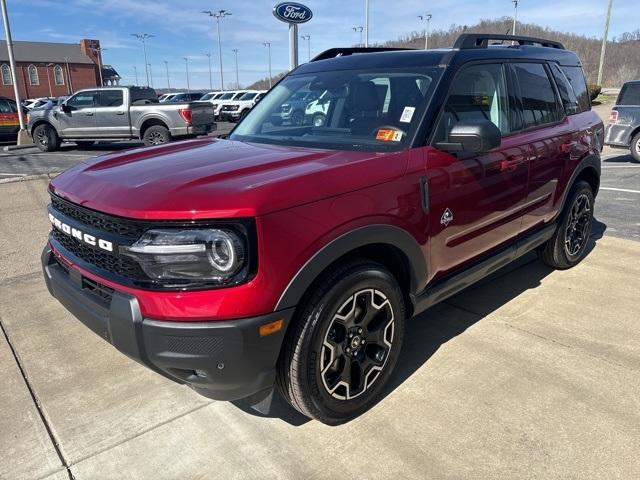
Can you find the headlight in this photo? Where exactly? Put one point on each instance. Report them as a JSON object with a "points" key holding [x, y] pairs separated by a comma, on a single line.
{"points": [[202, 255]]}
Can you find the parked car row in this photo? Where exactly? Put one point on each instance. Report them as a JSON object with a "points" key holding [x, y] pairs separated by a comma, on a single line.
{"points": [[230, 106]]}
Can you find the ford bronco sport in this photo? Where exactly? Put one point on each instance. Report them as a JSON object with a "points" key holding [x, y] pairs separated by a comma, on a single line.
{"points": [[291, 256]]}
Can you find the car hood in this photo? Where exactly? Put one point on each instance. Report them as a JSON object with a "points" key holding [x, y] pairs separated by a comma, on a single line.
{"points": [[208, 178]]}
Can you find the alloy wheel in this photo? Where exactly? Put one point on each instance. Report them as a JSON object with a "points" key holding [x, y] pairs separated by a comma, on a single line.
{"points": [[156, 138], [356, 345], [576, 233], [42, 137]]}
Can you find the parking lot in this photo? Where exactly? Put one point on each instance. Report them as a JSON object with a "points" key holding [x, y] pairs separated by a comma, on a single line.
{"points": [[533, 373]]}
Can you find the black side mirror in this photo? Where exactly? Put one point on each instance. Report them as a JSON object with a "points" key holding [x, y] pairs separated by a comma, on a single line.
{"points": [[472, 136], [65, 108]]}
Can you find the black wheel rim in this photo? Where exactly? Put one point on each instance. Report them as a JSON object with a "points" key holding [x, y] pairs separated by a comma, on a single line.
{"points": [[318, 121], [577, 231], [156, 138], [356, 345], [42, 138]]}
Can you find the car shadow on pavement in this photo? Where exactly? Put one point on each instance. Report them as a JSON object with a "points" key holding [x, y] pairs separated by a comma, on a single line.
{"points": [[621, 158], [427, 332]]}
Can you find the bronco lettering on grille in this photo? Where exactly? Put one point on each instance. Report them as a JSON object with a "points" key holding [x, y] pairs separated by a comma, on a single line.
{"points": [[80, 235]]}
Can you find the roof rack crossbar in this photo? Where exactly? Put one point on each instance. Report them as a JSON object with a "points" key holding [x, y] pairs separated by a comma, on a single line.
{"points": [[343, 52], [467, 41]]}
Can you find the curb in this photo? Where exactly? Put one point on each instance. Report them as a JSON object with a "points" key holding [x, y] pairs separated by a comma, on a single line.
{"points": [[26, 178], [10, 148]]}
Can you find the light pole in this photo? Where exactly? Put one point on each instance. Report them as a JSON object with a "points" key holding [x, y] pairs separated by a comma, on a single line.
{"points": [[426, 17], [268, 45], [150, 74], [143, 38], [366, 23], [135, 70], [166, 68], [235, 50], [218, 15], [70, 84], [359, 29], [99, 51], [515, 16], [22, 134], [604, 42], [186, 65], [47, 66], [210, 79], [308, 39]]}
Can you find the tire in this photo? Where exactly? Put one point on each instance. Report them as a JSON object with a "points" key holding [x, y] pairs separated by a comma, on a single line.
{"points": [[635, 147], [568, 246], [297, 118], [319, 119], [156, 135], [318, 345], [46, 138], [85, 143]]}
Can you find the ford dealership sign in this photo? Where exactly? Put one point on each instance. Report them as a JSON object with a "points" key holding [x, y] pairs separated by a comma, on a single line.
{"points": [[291, 12]]}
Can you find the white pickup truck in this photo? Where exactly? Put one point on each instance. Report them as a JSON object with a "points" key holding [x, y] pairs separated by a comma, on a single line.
{"points": [[118, 113], [236, 110]]}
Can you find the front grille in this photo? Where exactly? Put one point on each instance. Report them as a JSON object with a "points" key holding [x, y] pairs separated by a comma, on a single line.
{"points": [[117, 264], [115, 225]]}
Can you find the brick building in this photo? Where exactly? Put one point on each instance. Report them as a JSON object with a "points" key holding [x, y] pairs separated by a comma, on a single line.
{"points": [[53, 69]]}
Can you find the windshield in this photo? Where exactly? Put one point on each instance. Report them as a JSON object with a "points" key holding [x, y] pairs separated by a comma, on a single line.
{"points": [[227, 96], [207, 96], [248, 96], [353, 110]]}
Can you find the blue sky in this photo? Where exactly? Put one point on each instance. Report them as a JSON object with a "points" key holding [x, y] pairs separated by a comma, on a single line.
{"points": [[181, 30]]}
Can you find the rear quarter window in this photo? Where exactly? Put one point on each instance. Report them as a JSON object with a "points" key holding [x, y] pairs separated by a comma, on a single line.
{"points": [[575, 75], [629, 95]]}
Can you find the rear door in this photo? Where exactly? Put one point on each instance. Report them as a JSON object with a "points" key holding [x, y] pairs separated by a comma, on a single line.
{"points": [[9, 122], [80, 120], [112, 119]]}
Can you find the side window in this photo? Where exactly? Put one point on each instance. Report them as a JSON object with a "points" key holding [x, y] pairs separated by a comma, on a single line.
{"points": [[567, 95], [575, 75], [83, 100], [539, 105], [5, 107], [479, 92], [110, 98]]}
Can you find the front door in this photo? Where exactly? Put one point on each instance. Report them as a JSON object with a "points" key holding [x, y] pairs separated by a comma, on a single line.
{"points": [[476, 200], [111, 115], [79, 120]]}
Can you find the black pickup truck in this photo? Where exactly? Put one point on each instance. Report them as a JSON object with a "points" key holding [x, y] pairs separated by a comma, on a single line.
{"points": [[624, 123]]}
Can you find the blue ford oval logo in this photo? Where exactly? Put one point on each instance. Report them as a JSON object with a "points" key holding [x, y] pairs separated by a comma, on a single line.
{"points": [[291, 12]]}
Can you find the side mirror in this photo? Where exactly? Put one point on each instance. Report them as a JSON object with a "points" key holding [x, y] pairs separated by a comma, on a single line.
{"points": [[472, 136], [65, 108]]}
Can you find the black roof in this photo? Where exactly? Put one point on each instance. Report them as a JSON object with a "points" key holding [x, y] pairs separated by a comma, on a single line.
{"points": [[470, 47]]}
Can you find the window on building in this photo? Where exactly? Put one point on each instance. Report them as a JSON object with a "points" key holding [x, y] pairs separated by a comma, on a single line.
{"points": [[6, 75], [33, 75], [58, 75]]}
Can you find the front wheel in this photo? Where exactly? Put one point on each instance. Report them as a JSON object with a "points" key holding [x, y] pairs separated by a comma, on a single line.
{"points": [[568, 246], [635, 147], [156, 135], [46, 138], [344, 343]]}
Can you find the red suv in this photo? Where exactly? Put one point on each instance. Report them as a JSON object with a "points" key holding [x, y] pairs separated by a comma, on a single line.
{"points": [[292, 255]]}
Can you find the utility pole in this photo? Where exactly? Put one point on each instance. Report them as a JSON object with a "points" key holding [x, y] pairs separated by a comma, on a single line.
{"points": [[150, 74], [604, 42], [166, 68], [218, 15], [186, 65], [70, 84], [135, 71], [235, 50], [308, 39], [23, 136], [268, 45], [47, 66], [99, 51], [359, 29], [515, 16], [210, 79], [143, 38], [426, 17], [366, 23]]}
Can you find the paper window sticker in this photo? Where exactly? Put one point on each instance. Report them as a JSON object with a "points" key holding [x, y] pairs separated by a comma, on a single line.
{"points": [[407, 114]]}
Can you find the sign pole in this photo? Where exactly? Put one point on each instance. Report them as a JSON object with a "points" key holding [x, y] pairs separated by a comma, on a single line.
{"points": [[292, 14], [293, 46]]}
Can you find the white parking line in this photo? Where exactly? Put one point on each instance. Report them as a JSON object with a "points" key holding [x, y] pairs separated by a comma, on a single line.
{"points": [[13, 174], [626, 190], [622, 166]]}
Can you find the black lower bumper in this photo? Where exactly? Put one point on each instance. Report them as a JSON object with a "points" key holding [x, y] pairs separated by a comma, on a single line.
{"points": [[223, 360]]}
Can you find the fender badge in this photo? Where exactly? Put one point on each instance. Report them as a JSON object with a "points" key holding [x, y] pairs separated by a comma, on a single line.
{"points": [[447, 217]]}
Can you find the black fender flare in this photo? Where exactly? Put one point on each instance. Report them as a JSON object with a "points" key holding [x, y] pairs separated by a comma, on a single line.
{"points": [[591, 161], [360, 237]]}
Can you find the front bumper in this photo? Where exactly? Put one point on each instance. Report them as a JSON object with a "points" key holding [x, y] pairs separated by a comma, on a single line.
{"points": [[223, 360], [226, 116]]}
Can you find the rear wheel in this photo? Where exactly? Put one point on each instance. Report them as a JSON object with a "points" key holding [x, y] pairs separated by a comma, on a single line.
{"points": [[319, 120], [156, 135], [635, 147], [344, 344], [568, 246], [46, 138], [85, 143]]}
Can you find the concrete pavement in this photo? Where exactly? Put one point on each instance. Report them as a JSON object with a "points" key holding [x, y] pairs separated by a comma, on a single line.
{"points": [[531, 374]]}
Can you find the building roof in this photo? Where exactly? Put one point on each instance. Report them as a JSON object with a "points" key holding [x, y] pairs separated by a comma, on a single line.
{"points": [[28, 52]]}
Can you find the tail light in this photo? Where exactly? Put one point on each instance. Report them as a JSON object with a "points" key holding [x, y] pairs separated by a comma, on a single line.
{"points": [[186, 114], [613, 117]]}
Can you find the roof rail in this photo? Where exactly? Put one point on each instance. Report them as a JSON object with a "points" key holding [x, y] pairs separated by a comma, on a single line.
{"points": [[468, 41], [343, 52]]}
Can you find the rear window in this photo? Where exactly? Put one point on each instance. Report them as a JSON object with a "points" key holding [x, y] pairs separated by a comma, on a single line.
{"points": [[143, 94], [565, 89], [629, 95], [575, 75]]}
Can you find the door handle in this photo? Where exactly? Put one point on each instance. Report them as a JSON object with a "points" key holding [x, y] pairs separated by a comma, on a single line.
{"points": [[511, 163], [119, 113], [88, 114]]}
